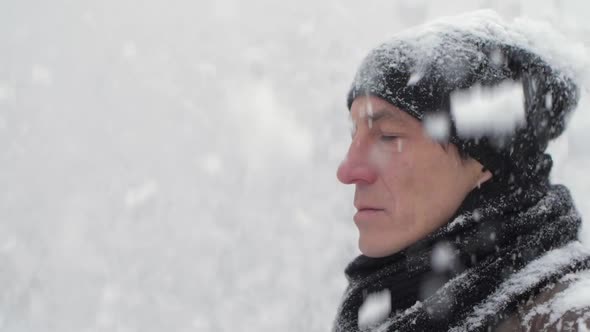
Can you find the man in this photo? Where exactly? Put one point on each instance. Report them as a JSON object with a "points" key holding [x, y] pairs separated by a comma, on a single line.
{"points": [[459, 227]]}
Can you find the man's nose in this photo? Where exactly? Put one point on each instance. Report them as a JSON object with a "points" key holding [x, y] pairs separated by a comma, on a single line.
{"points": [[356, 167]]}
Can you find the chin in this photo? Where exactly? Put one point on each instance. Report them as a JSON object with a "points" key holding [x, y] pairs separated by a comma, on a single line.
{"points": [[375, 249]]}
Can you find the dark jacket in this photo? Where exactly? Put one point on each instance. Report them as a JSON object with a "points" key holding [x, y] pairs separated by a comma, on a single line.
{"points": [[540, 313]]}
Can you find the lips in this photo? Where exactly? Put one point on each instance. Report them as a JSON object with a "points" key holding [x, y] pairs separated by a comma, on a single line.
{"points": [[367, 213], [363, 206], [370, 209]]}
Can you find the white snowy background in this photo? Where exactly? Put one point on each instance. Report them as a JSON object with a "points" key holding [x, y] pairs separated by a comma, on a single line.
{"points": [[170, 165]]}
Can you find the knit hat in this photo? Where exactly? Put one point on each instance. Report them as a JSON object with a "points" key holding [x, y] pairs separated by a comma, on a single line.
{"points": [[419, 70]]}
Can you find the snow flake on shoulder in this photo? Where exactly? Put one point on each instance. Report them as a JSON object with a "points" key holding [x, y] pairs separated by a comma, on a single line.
{"points": [[563, 306]]}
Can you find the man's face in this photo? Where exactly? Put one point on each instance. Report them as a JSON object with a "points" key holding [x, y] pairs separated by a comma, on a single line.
{"points": [[406, 184]]}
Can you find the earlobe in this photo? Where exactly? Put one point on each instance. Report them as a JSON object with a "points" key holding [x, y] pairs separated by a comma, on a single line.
{"points": [[484, 177]]}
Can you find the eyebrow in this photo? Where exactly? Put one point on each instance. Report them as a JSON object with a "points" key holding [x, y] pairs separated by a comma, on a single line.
{"points": [[384, 114]]}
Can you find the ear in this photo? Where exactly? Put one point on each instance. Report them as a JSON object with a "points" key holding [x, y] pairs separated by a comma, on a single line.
{"points": [[483, 177]]}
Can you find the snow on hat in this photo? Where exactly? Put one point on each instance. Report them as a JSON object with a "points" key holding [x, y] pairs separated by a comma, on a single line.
{"points": [[433, 69]]}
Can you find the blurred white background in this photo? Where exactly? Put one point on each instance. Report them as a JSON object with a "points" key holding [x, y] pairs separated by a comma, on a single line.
{"points": [[170, 165]]}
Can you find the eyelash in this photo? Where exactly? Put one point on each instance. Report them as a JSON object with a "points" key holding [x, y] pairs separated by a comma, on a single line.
{"points": [[382, 137], [388, 138]]}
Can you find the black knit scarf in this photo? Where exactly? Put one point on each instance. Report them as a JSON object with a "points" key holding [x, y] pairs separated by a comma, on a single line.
{"points": [[493, 238]]}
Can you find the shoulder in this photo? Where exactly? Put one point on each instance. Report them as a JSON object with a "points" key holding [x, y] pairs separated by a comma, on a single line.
{"points": [[562, 306]]}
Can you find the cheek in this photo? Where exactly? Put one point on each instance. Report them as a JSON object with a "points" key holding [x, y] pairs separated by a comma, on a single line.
{"points": [[402, 182], [391, 157], [380, 158], [445, 174], [396, 168], [420, 178], [442, 187]]}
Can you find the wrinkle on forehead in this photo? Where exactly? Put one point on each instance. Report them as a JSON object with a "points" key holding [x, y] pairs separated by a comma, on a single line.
{"points": [[372, 116], [375, 110]]}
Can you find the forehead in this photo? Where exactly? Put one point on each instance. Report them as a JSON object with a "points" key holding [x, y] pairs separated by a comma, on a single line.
{"points": [[375, 109]]}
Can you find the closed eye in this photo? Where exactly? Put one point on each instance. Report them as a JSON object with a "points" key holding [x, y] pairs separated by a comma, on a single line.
{"points": [[388, 138]]}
